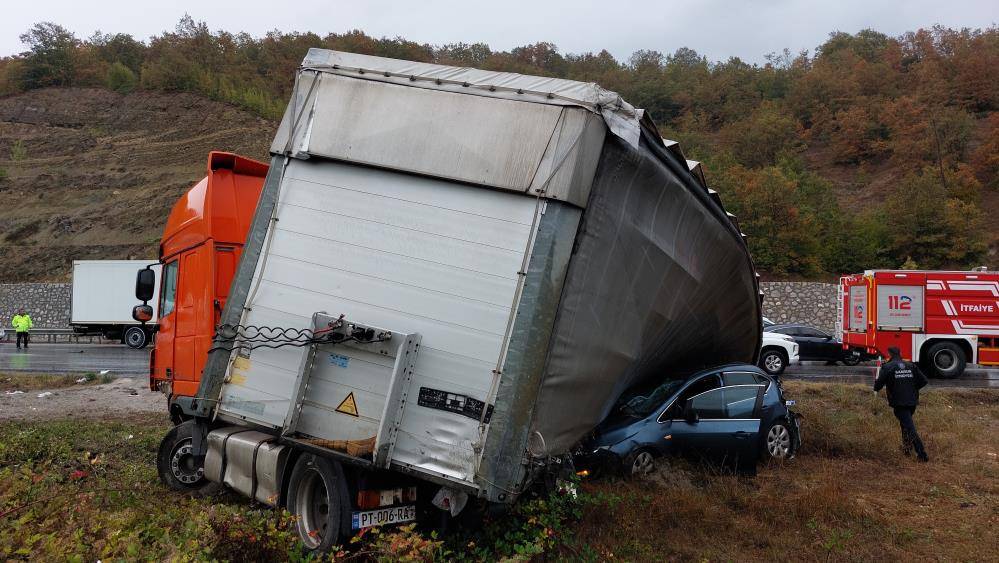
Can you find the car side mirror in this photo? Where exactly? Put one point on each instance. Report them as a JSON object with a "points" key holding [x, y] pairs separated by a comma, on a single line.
{"points": [[690, 414], [142, 313], [145, 284]]}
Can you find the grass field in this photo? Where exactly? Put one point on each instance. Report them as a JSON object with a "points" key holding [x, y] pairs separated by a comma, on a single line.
{"points": [[86, 490]]}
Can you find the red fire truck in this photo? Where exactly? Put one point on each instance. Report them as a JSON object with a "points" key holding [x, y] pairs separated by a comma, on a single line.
{"points": [[942, 320]]}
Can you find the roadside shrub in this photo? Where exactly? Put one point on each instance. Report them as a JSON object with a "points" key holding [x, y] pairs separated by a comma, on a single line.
{"points": [[18, 152], [121, 79]]}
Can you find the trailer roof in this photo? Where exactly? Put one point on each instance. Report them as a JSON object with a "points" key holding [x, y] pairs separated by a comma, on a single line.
{"points": [[621, 117]]}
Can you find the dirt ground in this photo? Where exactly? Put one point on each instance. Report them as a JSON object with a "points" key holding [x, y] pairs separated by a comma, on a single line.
{"points": [[93, 174], [119, 398]]}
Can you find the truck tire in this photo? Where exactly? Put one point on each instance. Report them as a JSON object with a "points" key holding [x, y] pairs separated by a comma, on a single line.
{"points": [[318, 497], [773, 361], [946, 360], [136, 338], [178, 469]]}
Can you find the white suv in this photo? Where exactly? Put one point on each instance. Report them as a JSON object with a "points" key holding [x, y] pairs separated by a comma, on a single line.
{"points": [[778, 352]]}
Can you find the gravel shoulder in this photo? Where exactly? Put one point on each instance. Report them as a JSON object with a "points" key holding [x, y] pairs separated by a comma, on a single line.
{"points": [[123, 396]]}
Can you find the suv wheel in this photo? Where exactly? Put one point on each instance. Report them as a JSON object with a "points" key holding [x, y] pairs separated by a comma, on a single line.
{"points": [[773, 361]]}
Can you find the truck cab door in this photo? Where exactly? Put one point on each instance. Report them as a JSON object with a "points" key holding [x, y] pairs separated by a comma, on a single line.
{"points": [[192, 334], [167, 324]]}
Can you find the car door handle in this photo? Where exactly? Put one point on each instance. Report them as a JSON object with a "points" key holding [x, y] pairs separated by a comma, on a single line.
{"points": [[743, 434]]}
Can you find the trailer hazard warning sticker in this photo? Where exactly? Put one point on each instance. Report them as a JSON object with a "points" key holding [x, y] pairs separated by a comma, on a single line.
{"points": [[348, 406]]}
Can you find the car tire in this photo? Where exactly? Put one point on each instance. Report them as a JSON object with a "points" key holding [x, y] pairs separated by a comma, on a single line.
{"points": [[178, 469], [318, 497], [639, 463], [850, 359], [135, 337], [778, 442], [946, 360], [773, 361]]}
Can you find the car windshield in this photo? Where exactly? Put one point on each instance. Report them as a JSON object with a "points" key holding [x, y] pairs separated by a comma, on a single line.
{"points": [[644, 405]]}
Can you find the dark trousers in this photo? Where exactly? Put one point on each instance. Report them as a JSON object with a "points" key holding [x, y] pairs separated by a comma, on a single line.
{"points": [[22, 336], [910, 438]]}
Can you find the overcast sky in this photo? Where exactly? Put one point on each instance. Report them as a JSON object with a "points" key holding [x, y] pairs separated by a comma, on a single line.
{"points": [[716, 28]]}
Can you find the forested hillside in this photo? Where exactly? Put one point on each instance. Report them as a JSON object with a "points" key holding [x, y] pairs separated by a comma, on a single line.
{"points": [[871, 151]]}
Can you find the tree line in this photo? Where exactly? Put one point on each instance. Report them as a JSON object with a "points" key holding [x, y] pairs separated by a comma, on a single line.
{"points": [[872, 151]]}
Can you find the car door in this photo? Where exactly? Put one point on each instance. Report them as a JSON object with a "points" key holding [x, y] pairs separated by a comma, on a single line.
{"points": [[683, 436], [724, 424], [821, 346]]}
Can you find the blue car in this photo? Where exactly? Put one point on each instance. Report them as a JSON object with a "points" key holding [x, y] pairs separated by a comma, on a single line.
{"points": [[734, 414]]}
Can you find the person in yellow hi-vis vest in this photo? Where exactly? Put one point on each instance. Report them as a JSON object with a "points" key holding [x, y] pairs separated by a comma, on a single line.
{"points": [[22, 324]]}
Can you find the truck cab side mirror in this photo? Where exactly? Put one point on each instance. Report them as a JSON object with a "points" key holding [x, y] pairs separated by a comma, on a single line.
{"points": [[145, 284], [142, 313]]}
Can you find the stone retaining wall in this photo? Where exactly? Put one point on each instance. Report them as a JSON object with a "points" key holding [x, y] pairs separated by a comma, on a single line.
{"points": [[47, 303], [805, 302], [812, 303]]}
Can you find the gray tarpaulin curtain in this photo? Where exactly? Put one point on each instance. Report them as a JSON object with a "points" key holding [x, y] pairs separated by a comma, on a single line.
{"points": [[659, 281]]}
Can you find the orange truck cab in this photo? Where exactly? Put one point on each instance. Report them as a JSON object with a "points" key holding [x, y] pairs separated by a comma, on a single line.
{"points": [[200, 249]]}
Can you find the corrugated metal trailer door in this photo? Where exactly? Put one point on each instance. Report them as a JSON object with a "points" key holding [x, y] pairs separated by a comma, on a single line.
{"points": [[405, 253]]}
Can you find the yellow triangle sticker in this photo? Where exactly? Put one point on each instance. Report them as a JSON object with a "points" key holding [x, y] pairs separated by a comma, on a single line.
{"points": [[348, 406]]}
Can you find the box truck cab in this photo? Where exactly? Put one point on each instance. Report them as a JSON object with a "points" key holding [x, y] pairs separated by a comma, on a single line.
{"points": [[201, 244]]}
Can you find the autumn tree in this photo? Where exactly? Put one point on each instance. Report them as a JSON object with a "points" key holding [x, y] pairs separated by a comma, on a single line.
{"points": [[49, 60]]}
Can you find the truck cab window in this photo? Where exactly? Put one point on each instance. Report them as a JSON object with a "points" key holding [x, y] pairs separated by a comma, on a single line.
{"points": [[168, 293]]}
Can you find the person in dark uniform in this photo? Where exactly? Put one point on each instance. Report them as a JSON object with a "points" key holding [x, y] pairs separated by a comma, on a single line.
{"points": [[902, 381]]}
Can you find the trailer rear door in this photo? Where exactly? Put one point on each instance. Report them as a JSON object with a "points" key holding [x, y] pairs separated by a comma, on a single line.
{"points": [[409, 254]]}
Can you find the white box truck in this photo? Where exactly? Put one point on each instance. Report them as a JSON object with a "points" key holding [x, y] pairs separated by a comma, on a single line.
{"points": [[103, 296], [450, 278]]}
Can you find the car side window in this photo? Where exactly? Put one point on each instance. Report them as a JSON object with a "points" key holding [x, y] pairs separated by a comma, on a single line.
{"points": [[675, 411], [740, 401], [710, 404], [785, 330], [741, 378]]}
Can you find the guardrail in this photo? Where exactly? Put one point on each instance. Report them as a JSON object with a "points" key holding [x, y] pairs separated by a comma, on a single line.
{"points": [[53, 335]]}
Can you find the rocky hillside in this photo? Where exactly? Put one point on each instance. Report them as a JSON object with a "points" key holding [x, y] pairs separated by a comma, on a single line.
{"points": [[91, 174]]}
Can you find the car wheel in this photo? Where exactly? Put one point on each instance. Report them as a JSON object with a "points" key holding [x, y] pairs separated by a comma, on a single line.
{"points": [[639, 463], [777, 442], [135, 337], [851, 359], [946, 360], [318, 497], [180, 470], [773, 362]]}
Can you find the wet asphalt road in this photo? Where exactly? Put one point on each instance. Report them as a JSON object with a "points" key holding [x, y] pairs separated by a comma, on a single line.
{"points": [[74, 358], [122, 360]]}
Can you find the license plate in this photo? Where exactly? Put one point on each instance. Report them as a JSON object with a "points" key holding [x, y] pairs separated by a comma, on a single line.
{"points": [[382, 516]]}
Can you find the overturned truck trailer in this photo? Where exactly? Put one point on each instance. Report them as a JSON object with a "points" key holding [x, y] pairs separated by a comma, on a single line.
{"points": [[484, 262]]}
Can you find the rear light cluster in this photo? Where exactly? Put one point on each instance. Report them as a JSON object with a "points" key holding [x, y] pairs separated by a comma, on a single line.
{"points": [[386, 497]]}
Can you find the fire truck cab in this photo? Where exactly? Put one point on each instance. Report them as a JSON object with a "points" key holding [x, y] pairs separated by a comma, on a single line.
{"points": [[943, 320]]}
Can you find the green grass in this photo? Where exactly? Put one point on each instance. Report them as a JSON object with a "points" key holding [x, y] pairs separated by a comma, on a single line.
{"points": [[88, 490], [31, 382]]}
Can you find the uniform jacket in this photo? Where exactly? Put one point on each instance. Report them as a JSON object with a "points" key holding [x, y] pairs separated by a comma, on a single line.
{"points": [[22, 323], [902, 381]]}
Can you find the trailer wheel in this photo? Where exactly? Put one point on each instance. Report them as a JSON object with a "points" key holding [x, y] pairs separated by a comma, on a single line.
{"points": [[180, 470], [773, 361], [318, 497], [946, 360], [136, 338]]}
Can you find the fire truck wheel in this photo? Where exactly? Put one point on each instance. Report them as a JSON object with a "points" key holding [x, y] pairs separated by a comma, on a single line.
{"points": [[773, 361], [946, 360], [318, 497], [180, 470]]}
